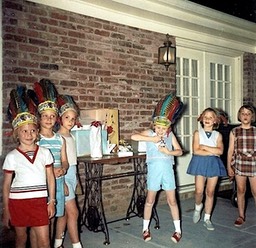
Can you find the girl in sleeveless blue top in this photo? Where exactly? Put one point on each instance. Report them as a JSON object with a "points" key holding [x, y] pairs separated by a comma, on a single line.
{"points": [[161, 148], [206, 164]]}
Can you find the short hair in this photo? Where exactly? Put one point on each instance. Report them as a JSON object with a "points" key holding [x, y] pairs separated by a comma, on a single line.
{"points": [[248, 107]]}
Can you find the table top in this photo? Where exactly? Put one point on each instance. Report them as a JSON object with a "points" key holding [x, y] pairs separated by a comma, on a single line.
{"points": [[111, 159]]}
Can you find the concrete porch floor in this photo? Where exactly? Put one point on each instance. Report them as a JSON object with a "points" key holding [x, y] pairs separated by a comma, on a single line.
{"points": [[127, 234]]}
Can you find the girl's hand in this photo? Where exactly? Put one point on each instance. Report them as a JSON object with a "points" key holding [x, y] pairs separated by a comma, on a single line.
{"points": [[163, 149], [66, 191], [51, 209], [6, 218], [58, 172], [231, 173], [156, 139]]}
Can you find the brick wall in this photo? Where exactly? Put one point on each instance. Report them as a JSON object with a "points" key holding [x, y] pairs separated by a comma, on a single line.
{"points": [[101, 64], [249, 77]]}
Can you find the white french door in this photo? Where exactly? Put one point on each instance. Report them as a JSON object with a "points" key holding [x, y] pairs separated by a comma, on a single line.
{"points": [[203, 80]]}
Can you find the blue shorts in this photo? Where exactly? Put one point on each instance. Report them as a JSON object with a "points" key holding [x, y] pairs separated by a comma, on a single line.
{"points": [[71, 181], [160, 176], [60, 197]]}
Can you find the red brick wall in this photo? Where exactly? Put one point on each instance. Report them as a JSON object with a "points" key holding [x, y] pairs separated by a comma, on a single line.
{"points": [[102, 64], [249, 77]]}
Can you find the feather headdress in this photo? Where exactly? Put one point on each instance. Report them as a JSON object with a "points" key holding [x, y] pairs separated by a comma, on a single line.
{"points": [[167, 110], [65, 103], [21, 109], [47, 95]]}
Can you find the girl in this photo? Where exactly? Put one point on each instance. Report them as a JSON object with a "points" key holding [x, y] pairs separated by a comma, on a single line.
{"points": [[241, 162], [25, 196], [161, 147], [48, 114], [68, 118], [206, 164]]}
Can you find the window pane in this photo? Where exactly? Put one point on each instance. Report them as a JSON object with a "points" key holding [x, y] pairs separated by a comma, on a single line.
{"points": [[212, 89], [194, 68], [212, 71], [227, 73], [185, 67], [185, 87], [194, 87], [194, 106], [220, 72], [220, 89]]}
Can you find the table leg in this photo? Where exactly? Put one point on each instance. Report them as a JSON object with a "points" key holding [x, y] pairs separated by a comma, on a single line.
{"points": [[138, 198], [93, 215]]}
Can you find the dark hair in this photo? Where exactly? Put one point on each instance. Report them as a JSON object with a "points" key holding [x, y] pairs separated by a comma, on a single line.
{"points": [[248, 107]]}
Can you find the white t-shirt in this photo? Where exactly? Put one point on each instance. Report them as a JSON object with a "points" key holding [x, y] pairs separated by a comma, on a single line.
{"points": [[30, 173]]}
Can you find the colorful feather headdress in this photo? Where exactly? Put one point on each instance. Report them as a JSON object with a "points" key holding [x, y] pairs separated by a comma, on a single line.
{"points": [[167, 110], [21, 109], [47, 95], [65, 103]]}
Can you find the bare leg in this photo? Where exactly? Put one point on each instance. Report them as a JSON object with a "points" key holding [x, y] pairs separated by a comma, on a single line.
{"points": [[42, 236], [21, 237], [72, 217], [150, 200], [241, 189], [199, 189], [171, 200], [210, 190]]}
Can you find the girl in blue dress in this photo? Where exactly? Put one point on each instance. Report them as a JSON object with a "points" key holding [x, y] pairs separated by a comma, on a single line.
{"points": [[206, 164]]}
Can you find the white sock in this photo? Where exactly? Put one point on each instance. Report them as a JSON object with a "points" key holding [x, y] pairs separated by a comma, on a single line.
{"points": [[198, 207], [177, 226], [145, 224], [77, 245], [57, 243], [207, 217]]}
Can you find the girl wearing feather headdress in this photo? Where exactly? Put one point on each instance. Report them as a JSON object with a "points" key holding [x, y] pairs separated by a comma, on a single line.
{"points": [[161, 148], [69, 112], [48, 114], [206, 164], [28, 176]]}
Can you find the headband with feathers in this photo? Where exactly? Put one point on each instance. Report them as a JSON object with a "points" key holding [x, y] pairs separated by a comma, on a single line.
{"points": [[21, 109], [167, 110], [47, 95], [65, 103]]}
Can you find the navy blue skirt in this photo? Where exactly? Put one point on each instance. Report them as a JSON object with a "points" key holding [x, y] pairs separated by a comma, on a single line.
{"points": [[207, 166]]}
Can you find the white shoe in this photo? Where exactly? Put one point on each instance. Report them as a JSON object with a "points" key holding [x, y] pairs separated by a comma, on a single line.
{"points": [[208, 224], [197, 214]]}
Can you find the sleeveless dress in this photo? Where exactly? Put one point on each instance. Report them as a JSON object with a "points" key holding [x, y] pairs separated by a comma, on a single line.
{"points": [[160, 166], [54, 144], [210, 165], [244, 157]]}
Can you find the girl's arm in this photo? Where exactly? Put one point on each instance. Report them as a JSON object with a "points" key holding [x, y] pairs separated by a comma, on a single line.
{"points": [[64, 157], [144, 136], [7, 180], [218, 150], [205, 150], [231, 149], [177, 151], [51, 191]]}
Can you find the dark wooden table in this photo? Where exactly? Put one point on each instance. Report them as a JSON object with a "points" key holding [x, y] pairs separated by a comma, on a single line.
{"points": [[93, 215]]}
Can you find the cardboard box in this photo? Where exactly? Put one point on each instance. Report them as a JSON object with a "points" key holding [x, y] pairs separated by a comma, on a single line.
{"points": [[108, 118]]}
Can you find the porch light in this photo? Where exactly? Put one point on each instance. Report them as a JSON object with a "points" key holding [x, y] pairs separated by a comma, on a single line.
{"points": [[167, 53]]}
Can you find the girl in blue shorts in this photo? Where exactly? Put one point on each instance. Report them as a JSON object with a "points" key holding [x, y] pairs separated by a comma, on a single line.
{"points": [[161, 147]]}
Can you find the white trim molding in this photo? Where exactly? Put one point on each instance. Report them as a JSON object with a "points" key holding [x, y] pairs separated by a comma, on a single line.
{"points": [[185, 20]]}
